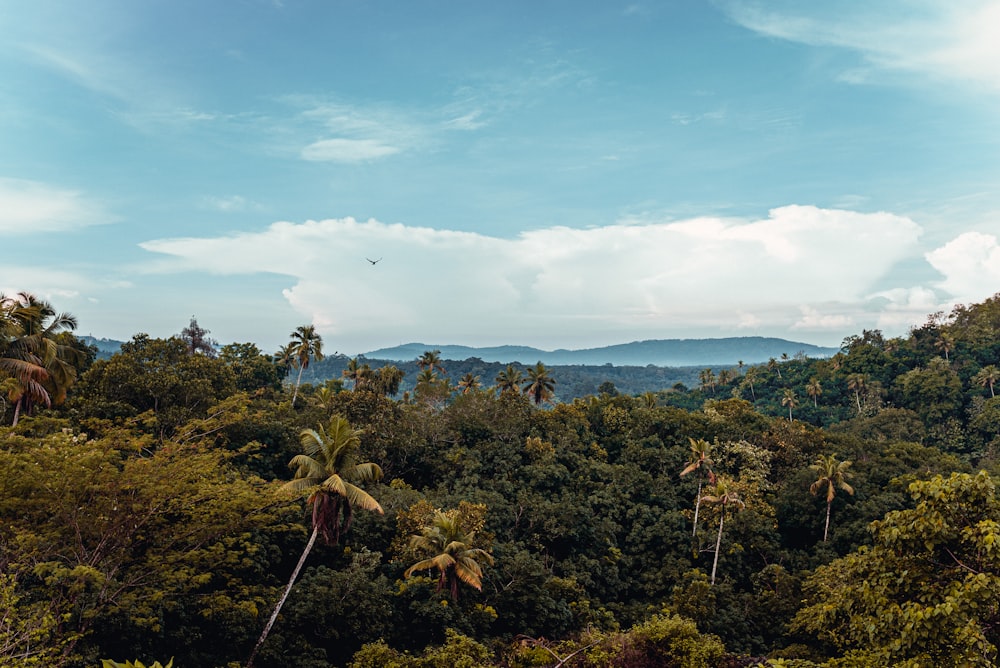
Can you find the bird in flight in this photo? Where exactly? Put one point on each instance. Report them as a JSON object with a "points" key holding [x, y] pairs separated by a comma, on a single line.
{"points": [[374, 261]]}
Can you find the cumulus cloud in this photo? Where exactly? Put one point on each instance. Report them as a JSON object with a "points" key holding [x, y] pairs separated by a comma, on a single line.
{"points": [[948, 39], [29, 207], [626, 280], [970, 264]]}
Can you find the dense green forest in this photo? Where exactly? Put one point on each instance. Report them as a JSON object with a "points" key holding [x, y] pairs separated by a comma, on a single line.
{"points": [[185, 501]]}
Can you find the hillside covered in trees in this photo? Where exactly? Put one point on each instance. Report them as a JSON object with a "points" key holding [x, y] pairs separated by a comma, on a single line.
{"points": [[210, 505]]}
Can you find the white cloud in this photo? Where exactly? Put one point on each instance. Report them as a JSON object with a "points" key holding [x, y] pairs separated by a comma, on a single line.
{"points": [[29, 207], [347, 150], [628, 281], [947, 39], [970, 264]]}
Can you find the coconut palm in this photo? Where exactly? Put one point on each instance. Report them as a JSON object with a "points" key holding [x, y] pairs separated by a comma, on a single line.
{"points": [[945, 343], [788, 399], [38, 367], [354, 371], [699, 461], [328, 469], [833, 475], [452, 553], [857, 383], [468, 383], [307, 346], [540, 386], [431, 359], [814, 389], [707, 378], [749, 377], [723, 494], [988, 377], [509, 380]]}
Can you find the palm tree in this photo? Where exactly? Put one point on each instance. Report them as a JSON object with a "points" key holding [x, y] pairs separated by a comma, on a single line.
{"points": [[540, 386], [772, 365], [431, 360], [814, 389], [452, 553], [788, 399], [750, 376], [707, 378], [725, 377], [857, 382], [509, 380], [946, 343], [468, 383], [328, 469], [37, 366], [988, 377], [723, 495], [285, 358], [353, 372], [308, 345], [832, 475], [699, 461]]}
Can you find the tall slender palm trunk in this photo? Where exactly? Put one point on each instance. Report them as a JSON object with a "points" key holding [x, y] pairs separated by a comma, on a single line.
{"points": [[826, 529], [281, 601], [298, 381], [718, 543], [697, 506]]}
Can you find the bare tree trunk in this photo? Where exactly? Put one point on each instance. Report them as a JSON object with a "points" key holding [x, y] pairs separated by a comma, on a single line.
{"points": [[826, 529], [281, 601], [718, 543], [17, 412], [697, 506], [298, 381]]}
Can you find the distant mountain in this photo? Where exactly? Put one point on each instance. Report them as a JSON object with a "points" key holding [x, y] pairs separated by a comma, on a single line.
{"points": [[660, 352], [105, 347]]}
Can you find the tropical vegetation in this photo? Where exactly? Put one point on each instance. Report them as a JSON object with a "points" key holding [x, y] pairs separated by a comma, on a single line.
{"points": [[215, 505]]}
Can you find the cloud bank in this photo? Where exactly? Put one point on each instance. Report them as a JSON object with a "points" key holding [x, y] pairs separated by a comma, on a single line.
{"points": [[802, 270]]}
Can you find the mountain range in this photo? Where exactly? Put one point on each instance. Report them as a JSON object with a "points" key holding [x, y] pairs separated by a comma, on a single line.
{"points": [[657, 352]]}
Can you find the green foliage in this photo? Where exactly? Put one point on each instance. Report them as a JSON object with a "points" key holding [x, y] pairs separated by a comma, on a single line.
{"points": [[458, 651], [108, 663], [927, 590]]}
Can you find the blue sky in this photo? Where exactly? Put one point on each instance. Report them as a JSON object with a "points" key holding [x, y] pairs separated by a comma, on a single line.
{"points": [[562, 174]]}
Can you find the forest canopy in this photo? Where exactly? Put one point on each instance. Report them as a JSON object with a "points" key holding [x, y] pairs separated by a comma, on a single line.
{"points": [[210, 505]]}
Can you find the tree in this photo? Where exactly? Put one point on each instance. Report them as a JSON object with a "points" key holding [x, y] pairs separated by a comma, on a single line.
{"points": [[814, 390], [857, 382], [832, 475], [353, 371], [925, 591], [509, 379], [307, 345], [699, 461], [540, 386], [196, 338], [945, 343], [431, 360], [788, 399], [723, 494], [749, 377], [988, 377], [37, 365], [328, 469], [707, 379], [468, 383], [452, 553]]}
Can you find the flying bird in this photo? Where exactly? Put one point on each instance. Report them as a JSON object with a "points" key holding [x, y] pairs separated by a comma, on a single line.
{"points": [[374, 261]]}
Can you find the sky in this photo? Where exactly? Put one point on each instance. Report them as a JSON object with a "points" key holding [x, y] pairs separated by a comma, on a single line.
{"points": [[551, 173]]}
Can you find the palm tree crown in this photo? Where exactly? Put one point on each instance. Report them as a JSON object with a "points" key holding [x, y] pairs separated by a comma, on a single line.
{"points": [[833, 475], [307, 345], [451, 552], [540, 386]]}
